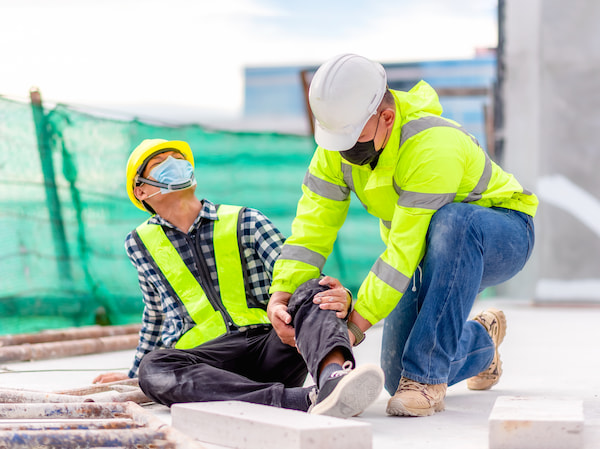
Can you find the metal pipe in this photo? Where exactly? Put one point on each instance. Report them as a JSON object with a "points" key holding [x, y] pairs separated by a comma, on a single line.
{"points": [[150, 430], [66, 424], [40, 351], [119, 385], [132, 438], [75, 333], [77, 410], [9, 396]]}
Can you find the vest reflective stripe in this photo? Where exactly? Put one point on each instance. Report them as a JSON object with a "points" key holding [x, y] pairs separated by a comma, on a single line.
{"points": [[230, 272], [210, 322], [301, 254], [483, 182], [347, 173], [422, 200], [326, 189], [414, 127], [390, 275], [185, 286]]}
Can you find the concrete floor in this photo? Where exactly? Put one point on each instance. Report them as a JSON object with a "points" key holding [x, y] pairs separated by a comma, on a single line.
{"points": [[549, 352]]}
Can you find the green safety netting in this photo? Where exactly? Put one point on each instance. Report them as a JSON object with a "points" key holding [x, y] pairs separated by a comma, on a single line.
{"points": [[64, 209]]}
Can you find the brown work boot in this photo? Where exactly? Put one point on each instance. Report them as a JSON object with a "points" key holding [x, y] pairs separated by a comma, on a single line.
{"points": [[415, 399], [494, 322]]}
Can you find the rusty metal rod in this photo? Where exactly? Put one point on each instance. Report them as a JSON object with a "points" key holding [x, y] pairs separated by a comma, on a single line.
{"points": [[75, 333], [75, 410], [81, 438], [149, 426], [119, 385], [40, 351], [66, 424], [11, 396]]}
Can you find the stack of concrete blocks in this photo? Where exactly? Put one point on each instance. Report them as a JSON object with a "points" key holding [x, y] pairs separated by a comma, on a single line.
{"points": [[552, 117]]}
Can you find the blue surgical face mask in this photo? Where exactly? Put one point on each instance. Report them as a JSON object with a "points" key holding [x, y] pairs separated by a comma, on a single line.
{"points": [[171, 175]]}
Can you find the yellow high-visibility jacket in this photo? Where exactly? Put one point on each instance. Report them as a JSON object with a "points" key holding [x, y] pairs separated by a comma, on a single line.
{"points": [[215, 314], [427, 162]]}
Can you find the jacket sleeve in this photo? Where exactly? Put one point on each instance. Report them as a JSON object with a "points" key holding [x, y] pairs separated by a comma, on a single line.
{"points": [[321, 211], [427, 178]]}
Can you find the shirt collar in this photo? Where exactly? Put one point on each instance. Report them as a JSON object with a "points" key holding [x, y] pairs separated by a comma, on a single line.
{"points": [[208, 211]]}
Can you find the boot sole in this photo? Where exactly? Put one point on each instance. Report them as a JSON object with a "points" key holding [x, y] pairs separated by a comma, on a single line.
{"points": [[355, 392]]}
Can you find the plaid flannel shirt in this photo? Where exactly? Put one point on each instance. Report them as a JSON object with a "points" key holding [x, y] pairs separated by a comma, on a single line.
{"points": [[165, 319]]}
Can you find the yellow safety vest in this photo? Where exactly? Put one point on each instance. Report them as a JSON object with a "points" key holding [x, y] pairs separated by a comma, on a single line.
{"points": [[428, 162], [214, 314]]}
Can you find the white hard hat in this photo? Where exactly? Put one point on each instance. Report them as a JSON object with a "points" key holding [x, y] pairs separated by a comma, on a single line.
{"points": [[344, 94]]}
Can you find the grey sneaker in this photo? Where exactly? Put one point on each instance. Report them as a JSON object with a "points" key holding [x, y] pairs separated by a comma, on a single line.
{"points": [[348, 392], [494, 322]]}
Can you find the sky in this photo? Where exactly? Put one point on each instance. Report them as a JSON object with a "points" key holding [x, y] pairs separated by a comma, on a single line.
{"points": [[148, 57]]}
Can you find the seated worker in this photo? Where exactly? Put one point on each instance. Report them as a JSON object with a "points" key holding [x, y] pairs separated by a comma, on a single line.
{"points": [[205, 272]]}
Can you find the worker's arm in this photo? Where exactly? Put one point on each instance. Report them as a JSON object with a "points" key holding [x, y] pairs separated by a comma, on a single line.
{"points": [[321, 211]]}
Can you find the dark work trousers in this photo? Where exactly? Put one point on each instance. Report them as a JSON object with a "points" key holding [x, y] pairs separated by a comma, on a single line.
{"points": [[250, 366]]}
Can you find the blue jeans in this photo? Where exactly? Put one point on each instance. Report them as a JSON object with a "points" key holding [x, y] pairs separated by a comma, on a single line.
{"points": [[427, 337]]}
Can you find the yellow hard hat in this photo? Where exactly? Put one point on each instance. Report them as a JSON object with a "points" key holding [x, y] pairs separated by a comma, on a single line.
{"points": [[143, 153]]}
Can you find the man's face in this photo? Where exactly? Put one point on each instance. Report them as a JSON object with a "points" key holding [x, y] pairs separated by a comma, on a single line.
{"points": [[158, 159], [144, 191], [377, 128], [372, 131]]}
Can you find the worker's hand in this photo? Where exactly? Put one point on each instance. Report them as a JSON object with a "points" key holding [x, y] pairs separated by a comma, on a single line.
{"points": [[336, 298], [277, 311], [109, 377]]}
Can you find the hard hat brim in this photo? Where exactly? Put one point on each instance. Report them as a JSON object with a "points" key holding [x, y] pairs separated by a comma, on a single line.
{"points": [[338, 141]]}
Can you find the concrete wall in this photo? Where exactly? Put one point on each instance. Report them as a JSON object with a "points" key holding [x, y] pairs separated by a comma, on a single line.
{"points": [[552, 145]]}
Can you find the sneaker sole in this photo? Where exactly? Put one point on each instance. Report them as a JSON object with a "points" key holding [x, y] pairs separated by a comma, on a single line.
{"points": [[397, 408], [476, 383], [355, 392]]}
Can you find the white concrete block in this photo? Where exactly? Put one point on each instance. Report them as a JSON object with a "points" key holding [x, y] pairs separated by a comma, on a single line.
{"points": [[251, 426], [536, 423]]}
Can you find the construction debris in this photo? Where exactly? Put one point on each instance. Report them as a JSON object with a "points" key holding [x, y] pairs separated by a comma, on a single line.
{"points": [[53, 350], [86, 425], [74, 333], [120, 391]]}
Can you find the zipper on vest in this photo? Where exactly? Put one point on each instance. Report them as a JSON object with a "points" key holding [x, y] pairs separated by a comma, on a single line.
{"points": [[207, 285]]}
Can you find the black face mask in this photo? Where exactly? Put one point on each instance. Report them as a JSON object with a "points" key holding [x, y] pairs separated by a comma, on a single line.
{"points": [[363, 153]]}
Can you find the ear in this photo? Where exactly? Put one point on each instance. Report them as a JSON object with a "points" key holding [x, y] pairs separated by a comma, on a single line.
{"points": [[388, 117], [139, 193]]}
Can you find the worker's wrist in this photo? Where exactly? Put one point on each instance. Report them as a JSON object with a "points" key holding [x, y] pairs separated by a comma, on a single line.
{"points": [[349, 299], [356, 332]]}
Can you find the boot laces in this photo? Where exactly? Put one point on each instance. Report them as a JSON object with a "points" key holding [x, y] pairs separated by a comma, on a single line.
{"points": [[412, 385]]}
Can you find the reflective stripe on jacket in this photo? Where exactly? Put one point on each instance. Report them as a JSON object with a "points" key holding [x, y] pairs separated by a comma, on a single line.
{"points": [[214, 314], [427, 162]]}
